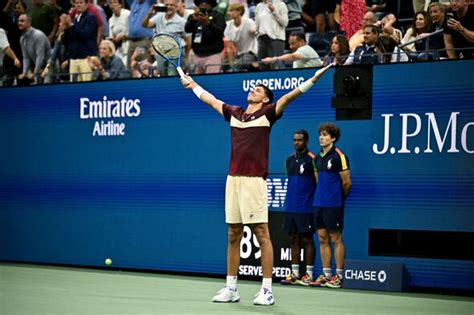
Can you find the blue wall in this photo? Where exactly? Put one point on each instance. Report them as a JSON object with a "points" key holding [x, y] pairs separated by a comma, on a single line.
{"points": [[153, 197]]}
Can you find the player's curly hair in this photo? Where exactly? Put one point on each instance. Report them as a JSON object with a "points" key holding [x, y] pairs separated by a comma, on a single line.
{"points": [[331, 129]]}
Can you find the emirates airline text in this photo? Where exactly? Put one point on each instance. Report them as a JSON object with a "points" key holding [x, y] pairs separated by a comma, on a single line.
{"points": [[105, 109]]}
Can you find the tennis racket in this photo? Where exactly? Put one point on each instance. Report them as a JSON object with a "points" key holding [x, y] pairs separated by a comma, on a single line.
{"points": [[168, 47]]}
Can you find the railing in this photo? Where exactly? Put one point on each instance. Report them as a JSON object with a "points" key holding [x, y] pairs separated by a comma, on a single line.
{"points": [[233, 68], [426, 38]]}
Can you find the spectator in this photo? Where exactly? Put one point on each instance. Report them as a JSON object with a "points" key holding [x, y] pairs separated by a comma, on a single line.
{"points": [[251, 6], [106, 8], [108, 66], [294, 13], [365, 53], [352, 14], [271, 20], [13, 9], [44, 18], [358, 38], [387, 27], [338, 51], [182, 11], [138, 35], [58, 63], [166, 22], [388, 48], [307, 16], [35, 49], [437, 14], [207, 27], [104, 32], [82, 38], [418, 30], [321, 8], [303, 55], [295, 23], [241, 33], [9, 15], [459, 33], [99, 15], [143, 63], [118, 29], [5, 49], [245, 4]]}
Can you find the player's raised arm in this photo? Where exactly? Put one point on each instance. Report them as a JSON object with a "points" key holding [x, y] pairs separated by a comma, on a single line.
{"points": [[283, 101], [202, 94]]}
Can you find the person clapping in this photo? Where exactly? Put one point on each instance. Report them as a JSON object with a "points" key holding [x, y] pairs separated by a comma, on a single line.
{"points": [[108, 66]]}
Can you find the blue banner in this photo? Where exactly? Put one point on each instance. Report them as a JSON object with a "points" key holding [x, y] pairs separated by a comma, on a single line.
{"points": [[135, 170]]}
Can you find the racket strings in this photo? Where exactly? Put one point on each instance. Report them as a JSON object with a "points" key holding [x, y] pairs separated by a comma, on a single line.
{"points": [[167, 46]]}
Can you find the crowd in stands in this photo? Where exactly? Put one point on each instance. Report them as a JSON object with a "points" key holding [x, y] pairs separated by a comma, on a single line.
{"points": [[46, 41]]}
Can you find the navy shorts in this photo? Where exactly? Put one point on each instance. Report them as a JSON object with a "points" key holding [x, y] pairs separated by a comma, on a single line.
{"points": [[298, 223], [331, 219]]}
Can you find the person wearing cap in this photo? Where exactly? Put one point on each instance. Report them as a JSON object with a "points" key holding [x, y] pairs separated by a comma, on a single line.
{"points": [[207, 28]]}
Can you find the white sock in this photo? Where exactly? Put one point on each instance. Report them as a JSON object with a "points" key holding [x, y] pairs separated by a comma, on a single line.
{"points": [[267, 283], [327, 272], [340, 273], [309, 270], [295, 269], [231, 282]]}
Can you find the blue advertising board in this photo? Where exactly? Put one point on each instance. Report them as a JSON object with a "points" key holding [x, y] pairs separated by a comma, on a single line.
{"points": [[135, 170], [375, 275]]}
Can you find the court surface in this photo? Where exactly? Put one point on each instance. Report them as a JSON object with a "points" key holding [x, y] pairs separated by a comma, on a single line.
{"points": [[31, 289]]}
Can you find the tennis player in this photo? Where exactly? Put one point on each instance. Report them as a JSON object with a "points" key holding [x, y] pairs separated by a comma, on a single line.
{"points": [[246, 188]]}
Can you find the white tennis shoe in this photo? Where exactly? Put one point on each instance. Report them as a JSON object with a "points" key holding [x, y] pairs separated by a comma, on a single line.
{"points": [[226, 295], [264, 297]]}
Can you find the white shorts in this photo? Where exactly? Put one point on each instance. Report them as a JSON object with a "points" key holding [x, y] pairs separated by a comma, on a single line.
{"points": [[246, 200]]}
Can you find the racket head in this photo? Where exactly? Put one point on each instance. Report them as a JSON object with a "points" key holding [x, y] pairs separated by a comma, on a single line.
{"points": [[166, 46]]}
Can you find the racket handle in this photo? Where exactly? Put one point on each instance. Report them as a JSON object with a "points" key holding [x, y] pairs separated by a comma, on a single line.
{"points": [[180, 71]]}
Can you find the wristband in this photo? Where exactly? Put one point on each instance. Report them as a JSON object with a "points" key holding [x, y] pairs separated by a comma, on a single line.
{"points": [[305, 86], [199, 91]]}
